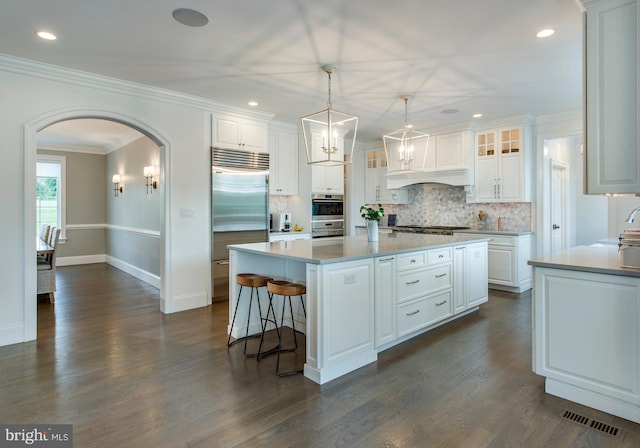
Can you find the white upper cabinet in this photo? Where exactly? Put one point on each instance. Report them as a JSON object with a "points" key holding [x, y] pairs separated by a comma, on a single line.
{"points": [[502, 165], [376, 190], [239, 133], [452, 150], [612, 122], [283, 162]]}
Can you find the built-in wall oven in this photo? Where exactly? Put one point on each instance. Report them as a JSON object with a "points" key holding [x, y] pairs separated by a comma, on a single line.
{"points": [[327, 215]]}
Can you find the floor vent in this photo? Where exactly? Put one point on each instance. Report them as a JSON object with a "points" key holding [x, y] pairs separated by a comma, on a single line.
{"points": [[591, 423]]}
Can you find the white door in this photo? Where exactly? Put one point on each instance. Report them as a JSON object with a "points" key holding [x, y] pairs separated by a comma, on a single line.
{"points": [[559, 205]]}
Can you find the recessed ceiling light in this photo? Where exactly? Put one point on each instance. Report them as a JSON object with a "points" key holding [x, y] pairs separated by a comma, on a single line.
{"points": [[477, 115], [46, 35], [190, 17], [545, 33], [449, 111], [253, 103]]}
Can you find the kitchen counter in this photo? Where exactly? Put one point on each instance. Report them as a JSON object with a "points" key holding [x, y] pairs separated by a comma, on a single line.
{"points": [[321, 251], [586, 322], [362, 297], [595, 259], [495, 232]]}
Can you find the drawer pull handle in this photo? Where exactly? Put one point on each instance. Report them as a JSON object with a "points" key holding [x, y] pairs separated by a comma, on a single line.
{"points": [[413, 261], [441, 275], [413, 282], [440, 256], [386, 259], [441, 303], [413, 313]]}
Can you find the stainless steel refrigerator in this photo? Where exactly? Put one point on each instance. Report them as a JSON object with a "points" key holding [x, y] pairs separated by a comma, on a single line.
{"points": [[239, 207]]}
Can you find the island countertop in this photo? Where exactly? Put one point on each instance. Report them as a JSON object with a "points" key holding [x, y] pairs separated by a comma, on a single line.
{"points": [[321, 251], [596, 259]]}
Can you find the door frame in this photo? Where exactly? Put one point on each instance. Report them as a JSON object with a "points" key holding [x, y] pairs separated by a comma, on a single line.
{"points": [[30, 131], [556, 164]]}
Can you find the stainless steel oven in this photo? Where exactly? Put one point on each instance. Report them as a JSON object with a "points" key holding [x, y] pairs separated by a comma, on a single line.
{"points": [[327, 215]]}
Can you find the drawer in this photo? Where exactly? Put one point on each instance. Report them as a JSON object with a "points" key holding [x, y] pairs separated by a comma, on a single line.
{"points": [[435, 256], [421, 282], [501, 240], [412, 260], [423, 312]]}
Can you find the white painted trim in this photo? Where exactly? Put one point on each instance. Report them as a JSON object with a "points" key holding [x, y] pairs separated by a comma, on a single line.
{"points": [[12, 333], [98, 150], [136, 230], [138, 273], [97, 226], [80, 259], [76, 77]]}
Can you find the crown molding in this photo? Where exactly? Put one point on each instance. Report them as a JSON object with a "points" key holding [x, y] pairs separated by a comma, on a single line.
{"points": [[63, 147], [56, 73]]}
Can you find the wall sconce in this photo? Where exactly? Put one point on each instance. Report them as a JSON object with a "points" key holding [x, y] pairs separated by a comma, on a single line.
{"points": [[151, 184], [117, 188]]}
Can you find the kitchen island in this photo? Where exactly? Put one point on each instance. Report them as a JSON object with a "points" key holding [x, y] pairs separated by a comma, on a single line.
{"points": [[365, 297], [586, 329]]}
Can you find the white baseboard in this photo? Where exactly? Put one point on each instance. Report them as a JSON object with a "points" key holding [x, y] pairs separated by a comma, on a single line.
{"points": [[12, 334], [81, 259], [147, 277]]}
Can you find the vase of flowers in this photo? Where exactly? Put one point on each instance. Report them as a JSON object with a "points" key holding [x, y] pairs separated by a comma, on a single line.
{"points": [[372, 217], [482, 220]]}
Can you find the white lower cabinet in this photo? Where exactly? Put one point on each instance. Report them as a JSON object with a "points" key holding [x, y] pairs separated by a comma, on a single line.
{"points": [[507, 263], [423, 312], [385, 299], [585, 338], [289, 236], [416, 291]]}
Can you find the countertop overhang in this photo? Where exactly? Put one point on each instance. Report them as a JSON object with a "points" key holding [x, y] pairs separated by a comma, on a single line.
{"points": [[596, 259], [319, 251]]}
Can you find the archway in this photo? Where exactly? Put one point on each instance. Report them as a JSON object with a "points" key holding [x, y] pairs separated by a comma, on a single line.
{"points": [[30, 155]]}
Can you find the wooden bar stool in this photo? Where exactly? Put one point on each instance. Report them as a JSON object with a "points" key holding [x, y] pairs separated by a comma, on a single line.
{"points": [[253, 281], [286, 290]]}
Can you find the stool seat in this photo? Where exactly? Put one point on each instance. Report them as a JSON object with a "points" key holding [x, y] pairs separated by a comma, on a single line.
{"points": [[285, 288], [252, 280]]}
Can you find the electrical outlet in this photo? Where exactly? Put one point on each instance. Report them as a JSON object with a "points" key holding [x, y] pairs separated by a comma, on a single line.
{"points": [[187, 212], [349, 279]]}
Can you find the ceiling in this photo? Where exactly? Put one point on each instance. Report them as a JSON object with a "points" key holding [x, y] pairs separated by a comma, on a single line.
{"points": [[456, 56]]}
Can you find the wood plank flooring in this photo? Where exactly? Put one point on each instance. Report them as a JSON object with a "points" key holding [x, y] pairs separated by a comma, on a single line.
{"points": [[125, 375]]}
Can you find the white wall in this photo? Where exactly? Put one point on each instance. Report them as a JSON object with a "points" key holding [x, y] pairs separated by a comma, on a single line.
{"points": [[33, 96]]}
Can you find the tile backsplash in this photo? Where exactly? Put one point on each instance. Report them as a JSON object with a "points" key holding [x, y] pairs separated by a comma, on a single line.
{"points": [[437, 204]]}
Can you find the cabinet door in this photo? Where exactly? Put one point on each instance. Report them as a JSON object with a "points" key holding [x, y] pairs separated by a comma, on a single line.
{"points": [[385, 298], [253, 135], [477, 268], [371, 185], [226, 132], [283, 177], [612, 149], [502, 265], [486, 166], [460, 292], [510, 183]]}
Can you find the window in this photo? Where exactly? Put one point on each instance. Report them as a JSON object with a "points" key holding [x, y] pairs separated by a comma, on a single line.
{"points": [[50, 192]]}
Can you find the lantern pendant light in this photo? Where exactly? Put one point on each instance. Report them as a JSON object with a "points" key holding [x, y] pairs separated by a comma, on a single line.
{"points": [[327, 133], [406, 147]]}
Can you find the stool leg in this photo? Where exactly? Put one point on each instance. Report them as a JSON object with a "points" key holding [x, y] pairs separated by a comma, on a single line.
{"points": [[246, 334], [270, 308], [304, 310], [293, 325], [233, 321], [278, 372], [262, 325]]}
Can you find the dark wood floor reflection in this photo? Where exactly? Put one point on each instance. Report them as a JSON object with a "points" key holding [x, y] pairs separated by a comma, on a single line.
{"points": [[125, 375]]}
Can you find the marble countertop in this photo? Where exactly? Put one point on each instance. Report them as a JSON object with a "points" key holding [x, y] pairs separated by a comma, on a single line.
{"points": [[597, 259], [320, 251]]}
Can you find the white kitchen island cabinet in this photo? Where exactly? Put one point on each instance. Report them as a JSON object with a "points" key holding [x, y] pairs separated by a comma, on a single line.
{"points": [[362, 297], [586, 329]]}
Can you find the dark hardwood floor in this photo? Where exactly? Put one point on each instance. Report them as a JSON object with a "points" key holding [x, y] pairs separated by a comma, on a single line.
{"points": [[125, 375]]}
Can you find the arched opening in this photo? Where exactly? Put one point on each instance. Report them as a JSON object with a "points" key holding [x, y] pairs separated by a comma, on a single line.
{"points": [[121, 229]]}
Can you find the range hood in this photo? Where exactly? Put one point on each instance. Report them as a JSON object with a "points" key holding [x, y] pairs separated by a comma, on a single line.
{"points": [[457, 177]]}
